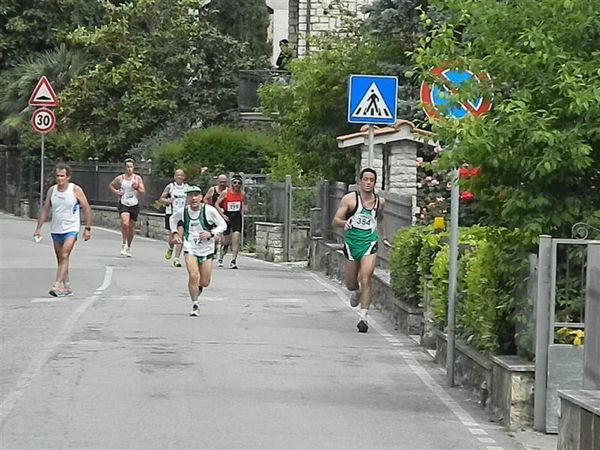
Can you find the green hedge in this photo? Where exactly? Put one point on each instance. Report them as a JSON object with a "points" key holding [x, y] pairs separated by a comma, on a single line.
{"points": [[220, 149], [491, 272]]}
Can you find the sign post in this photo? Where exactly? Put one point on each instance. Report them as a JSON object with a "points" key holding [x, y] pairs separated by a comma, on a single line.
{"points": [[42, 119], [372, 100], [435, 99]]}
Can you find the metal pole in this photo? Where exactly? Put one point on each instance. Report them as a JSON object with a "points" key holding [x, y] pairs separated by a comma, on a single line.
{"points": [[452, 273], [542, 324], [371, 146], [591, 370], [42, 175]]}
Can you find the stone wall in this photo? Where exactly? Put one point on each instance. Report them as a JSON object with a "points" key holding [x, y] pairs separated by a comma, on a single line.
{"points": [[579, 427], [402, 168], [315, 17], [512, 394], [149, 224], [270, 242]]}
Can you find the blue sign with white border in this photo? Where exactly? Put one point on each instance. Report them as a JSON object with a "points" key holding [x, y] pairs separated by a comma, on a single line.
{"points": [[372, 99]]}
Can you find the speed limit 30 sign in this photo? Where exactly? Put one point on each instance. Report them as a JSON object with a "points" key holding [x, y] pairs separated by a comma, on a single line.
{"points": [[43, 120]]}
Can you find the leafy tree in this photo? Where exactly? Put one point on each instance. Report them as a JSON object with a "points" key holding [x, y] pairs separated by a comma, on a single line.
{"points": [[154, 60], [28, 27], [246, 21], [539, 148]]}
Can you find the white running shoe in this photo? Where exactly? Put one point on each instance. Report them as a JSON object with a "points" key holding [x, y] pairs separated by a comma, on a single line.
{"points": [[123, 250], [128, 252], [195, 310]]}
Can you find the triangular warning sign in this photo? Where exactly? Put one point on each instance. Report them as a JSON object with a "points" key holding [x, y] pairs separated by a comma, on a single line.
{"points": [[372, 105], [43, 94]]}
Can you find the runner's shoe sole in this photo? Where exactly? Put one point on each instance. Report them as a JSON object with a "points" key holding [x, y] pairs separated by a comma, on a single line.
{"points": [[362, 326]]}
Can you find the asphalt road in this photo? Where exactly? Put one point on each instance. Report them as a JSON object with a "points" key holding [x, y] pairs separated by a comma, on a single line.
{"points": [[272, 362]]}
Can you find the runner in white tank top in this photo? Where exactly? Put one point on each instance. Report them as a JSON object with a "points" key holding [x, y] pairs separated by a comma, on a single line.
{"points": [[65, 210], [128, 187], [173, 197], [65, 199]]}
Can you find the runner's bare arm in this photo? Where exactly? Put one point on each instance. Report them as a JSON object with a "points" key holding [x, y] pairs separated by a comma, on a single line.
{"points": [[43, 213], [208, 197], [87, 212], [164, 197], [339, 220], [138, 185], [115, 185], [219, 207]]}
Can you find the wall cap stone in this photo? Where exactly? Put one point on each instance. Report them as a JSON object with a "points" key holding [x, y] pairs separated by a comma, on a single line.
{"points": [[513, 363], [586, 399]]}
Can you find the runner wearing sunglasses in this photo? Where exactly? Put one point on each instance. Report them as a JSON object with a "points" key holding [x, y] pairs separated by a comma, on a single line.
{"points": [[231, 204]]}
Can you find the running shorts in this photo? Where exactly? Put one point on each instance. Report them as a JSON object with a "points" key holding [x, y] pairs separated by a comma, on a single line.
{"points": [[233, 224], [357, 250], [133, 211]]}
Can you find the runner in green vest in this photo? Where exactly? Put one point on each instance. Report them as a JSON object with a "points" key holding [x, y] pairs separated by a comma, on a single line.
{"points": [[361, 214]]}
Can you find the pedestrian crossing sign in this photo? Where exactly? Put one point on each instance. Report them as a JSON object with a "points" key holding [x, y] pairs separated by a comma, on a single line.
{"points": [[372, 99]]}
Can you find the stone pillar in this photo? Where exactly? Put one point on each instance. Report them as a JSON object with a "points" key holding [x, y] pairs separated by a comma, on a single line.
{"points": [[403, 168], [377, 162]]}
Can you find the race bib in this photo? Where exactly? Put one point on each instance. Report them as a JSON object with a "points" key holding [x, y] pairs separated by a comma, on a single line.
{"points": [[234, 206], [362, 222], [129, 199], [194, 233], [178, 203]]}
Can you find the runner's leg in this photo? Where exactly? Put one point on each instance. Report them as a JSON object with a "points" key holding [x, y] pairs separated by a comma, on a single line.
{"points": [[125, 216], [351, 275], [367, 267], [205, 273], [65, 255], [191, 263]]}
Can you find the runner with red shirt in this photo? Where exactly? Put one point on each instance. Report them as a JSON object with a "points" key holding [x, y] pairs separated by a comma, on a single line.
{"points": [[231, 205]]}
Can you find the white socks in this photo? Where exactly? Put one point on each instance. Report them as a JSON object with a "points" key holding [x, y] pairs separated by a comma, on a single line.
{"points": [[363, 314]]}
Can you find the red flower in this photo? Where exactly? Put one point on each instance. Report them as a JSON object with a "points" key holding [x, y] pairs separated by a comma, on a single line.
{"points": [[463, 172], [475, 171], [466, 196]]}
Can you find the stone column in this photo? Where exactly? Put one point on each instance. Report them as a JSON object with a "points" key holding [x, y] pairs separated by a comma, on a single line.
{"points": [[377, 162], [403, 168]]}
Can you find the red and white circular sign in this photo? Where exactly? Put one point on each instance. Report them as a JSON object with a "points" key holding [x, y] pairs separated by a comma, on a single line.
{"points": [[43, 120]]}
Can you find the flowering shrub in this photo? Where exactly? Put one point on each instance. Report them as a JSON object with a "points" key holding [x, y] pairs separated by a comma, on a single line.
{"points": [[569, 336]]}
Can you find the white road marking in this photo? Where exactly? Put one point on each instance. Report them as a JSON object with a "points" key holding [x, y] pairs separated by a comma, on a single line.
{"points": [[49, 299], [465, 418], [478, 431], [486, 440], [42, 357]]}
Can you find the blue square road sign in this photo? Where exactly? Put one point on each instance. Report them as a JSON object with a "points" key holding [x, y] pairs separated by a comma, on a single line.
{"points": [[372, 99]]}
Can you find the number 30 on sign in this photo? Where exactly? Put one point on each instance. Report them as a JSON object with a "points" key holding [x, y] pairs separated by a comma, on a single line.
{"points": [[43, 120]]}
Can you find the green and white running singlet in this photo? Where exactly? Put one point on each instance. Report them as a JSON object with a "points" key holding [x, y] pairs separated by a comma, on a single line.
{"points": [[361, 238]]}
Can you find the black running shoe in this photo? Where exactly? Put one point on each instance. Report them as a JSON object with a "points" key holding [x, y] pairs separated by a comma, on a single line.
{"points": [[362, 326]]}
